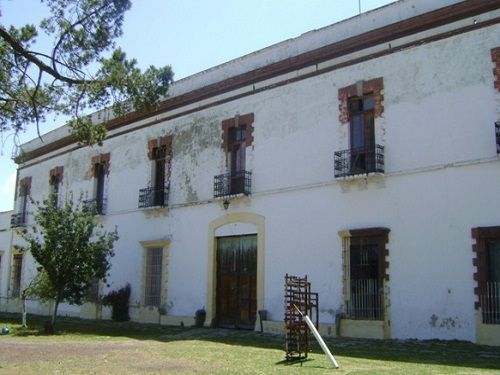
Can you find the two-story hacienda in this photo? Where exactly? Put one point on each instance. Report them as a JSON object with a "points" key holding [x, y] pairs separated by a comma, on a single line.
{"points": [[363, 155]]}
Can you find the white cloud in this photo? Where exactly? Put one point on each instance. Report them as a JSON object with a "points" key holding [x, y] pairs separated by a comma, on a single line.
{"points": [[7, 192]]}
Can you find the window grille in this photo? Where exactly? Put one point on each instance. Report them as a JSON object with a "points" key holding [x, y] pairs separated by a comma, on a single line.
{"points": [[490, 303], [16, 277], [154, 258]]}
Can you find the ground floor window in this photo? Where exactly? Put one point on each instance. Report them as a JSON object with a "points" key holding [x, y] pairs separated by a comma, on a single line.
{"points": [[154, 273], [17, 267], [487, 262], [152, 292], [365, 272]]}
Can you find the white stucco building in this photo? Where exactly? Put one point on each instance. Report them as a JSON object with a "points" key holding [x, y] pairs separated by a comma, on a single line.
{"points": [[363, 155]]}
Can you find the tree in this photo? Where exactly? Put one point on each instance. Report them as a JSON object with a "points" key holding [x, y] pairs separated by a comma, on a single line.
{"points": [[71, 251], [83, 70]]}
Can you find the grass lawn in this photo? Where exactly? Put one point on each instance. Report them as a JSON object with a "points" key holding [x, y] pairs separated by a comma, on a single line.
{"points": [[87, 347]]}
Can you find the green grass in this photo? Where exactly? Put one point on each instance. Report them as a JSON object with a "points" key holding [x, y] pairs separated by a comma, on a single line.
{"points": [[87, 347]]}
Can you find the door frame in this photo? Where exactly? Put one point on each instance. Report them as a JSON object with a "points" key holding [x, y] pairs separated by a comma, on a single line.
{"points": [[252, 304], [241, 217]]}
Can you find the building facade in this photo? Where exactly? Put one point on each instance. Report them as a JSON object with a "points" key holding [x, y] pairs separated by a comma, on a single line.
{"points": [[363, 155]]}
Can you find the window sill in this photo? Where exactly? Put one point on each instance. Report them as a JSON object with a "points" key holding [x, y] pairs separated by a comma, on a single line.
{"points": [[154, 211]]}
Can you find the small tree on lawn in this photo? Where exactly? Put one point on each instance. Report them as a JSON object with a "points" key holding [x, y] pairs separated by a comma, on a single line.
{"points": [[71, 250]]}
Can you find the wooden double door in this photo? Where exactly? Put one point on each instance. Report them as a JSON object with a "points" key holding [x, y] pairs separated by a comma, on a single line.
{"points": [[236, 294]]}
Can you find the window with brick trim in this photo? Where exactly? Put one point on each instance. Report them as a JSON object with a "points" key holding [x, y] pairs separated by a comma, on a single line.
{"points": [[160, 154], [365, 272], [359, 106], [55, 182], [100, 169], [495, 57], [237, 136], [17, 268], [20, 217], [487, 275]]}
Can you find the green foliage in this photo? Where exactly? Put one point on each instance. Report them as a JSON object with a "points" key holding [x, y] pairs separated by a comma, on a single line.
{"points": [[84, 71], [119, 301], [71, 250]]}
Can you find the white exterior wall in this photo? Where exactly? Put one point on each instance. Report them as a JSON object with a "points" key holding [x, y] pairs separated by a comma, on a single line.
{"points": [[5, 245], [441, 179]]}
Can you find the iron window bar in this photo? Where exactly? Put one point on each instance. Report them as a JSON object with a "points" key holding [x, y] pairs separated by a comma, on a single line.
{"points": [[366, 300], [490, 302], [497, 134], [153, 197], [359, 161], [98, 207], [231, 184], [18, 220]]}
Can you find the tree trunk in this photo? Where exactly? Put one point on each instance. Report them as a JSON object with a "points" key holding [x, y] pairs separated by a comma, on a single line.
{"points": [[50, 326], [54, 314]]}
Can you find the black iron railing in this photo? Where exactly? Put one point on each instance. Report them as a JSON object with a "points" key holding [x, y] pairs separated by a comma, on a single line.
{"points": [[235, 183], [96, 206], [18, 220], [497, 133], [359, 161], [153, 197]]}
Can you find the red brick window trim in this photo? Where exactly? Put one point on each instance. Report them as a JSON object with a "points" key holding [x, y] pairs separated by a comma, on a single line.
{"points": [[101, 159], [482, 235], [24, 187], [56, 174], [495, 57], [246, 119], [158, 142], [374, 86]]}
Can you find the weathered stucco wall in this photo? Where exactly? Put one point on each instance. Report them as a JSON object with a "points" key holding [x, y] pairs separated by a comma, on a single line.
{"points": [[441, 179]]}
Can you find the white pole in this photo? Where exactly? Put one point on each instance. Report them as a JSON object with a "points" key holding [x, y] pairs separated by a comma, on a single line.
{"points": [[319, 339]]}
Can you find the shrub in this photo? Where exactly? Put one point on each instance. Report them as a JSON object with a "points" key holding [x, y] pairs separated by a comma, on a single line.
{"points": [[118, 299]]}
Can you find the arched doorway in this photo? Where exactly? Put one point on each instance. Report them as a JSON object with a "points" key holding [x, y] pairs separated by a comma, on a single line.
{"points": [[236, 270]]}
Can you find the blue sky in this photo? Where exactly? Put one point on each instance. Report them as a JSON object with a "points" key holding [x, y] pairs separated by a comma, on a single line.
{"points": [[191, 36]]}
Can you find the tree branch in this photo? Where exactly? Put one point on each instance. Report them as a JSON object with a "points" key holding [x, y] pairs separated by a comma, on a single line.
{"points": [[72, 26], [19, 49]]}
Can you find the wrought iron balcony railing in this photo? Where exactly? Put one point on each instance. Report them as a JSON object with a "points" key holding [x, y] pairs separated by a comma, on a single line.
{"points": [[97, 206], [497, 133], [359, 161], [153, 197], [18, 220], [228, 184]]}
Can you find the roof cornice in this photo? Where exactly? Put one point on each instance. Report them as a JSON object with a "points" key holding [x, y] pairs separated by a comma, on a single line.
{"points": [[385, 34]]}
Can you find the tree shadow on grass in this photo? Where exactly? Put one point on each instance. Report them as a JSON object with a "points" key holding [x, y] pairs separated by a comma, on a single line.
{"points": [[433, 352]]}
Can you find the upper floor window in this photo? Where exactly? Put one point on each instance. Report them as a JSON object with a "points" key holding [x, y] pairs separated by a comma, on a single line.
{"points": [[55, 182], [362, 133], [159, 152], [100, 169], [237, 137], [495, 57], [360, 104], [20, 217]]}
